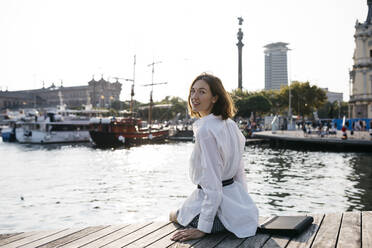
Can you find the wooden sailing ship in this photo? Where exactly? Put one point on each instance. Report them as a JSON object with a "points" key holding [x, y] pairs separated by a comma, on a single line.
{"points": [[127, 130]]}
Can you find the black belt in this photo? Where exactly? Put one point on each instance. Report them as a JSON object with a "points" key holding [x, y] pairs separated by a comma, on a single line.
{"points": [[224, 183]]}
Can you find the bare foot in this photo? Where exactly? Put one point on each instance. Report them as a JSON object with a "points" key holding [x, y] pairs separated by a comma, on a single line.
{"points": [[173, 216], [188, 234]]}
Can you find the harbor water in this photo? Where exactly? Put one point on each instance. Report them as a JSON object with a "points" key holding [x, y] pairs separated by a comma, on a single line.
{"points": [[58, 186]]}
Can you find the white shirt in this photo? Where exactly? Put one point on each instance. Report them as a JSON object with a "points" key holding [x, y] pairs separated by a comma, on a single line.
{"points": [[217, 156]]}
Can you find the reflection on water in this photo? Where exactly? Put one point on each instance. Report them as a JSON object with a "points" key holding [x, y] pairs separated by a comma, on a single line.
{"points": [[54, 186], [361, 198], [288, 181]]}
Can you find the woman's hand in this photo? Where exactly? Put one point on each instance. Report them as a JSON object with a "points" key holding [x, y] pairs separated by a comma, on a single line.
{"points": [[187, 234]]}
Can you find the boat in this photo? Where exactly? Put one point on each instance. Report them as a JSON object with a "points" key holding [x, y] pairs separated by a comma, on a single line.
{"points": [[59, 125], [8, 132], [51, 128], [181, 133], [8, 124], [125, 131]]}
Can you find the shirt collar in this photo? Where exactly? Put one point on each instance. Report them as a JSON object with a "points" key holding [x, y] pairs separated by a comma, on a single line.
{"points": [[207, 117]]}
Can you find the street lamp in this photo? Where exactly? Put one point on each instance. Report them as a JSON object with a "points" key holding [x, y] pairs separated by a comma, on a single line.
{"points": [[111, 98], [103, 101]]}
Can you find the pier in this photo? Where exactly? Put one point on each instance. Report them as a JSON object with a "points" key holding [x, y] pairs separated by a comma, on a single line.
{"points": [[359, 141], [349, 229]]}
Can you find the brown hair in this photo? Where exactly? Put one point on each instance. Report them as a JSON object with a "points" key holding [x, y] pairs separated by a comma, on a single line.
{"points": [[224, 105]]}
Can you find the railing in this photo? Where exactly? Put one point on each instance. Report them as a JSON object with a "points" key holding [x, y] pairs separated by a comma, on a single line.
{"points": [[363, 61], [360, 97]]}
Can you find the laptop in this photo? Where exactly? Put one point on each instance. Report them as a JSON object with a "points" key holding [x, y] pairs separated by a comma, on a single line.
{"points": [[286, 225]]}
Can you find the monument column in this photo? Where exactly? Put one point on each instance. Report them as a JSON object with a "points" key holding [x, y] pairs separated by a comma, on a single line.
{"points": [[240, 47]]}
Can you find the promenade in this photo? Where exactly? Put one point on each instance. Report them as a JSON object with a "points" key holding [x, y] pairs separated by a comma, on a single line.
{"points": [[359, 141], [349, 229]]}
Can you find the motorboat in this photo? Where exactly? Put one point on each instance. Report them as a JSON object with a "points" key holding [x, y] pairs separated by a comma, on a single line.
{"points": [[56, 126], [51, 128]]}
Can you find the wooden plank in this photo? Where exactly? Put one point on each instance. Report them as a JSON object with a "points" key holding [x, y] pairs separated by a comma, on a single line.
{"points": [[256, 241], [230, 241], [116, 235], [72, 237], [211, 240], [7, 235], [276, 241], [36, 236], [17, 237], [350, 230], [273, 241], [306, 238], [166, 242], [328, 231], [136, 235], [155, 236], [50, 238], [367, 229], [192, 242], [93, 236]]}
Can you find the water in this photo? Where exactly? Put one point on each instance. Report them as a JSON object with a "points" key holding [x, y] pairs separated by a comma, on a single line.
{"points": [[47, 187]]}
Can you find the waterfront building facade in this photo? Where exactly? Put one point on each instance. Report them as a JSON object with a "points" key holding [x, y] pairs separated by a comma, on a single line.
{"points": [[276, 72], [99, 94], [360, 103], [333, 96]]}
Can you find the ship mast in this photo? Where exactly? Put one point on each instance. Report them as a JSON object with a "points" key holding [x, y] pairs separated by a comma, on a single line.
{"points": [[132, 86], [152, 88]]}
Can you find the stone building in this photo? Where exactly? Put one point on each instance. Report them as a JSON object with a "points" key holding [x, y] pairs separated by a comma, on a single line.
{"points": [[276, 72], [99, 94], [360, 103], [333, 96]]}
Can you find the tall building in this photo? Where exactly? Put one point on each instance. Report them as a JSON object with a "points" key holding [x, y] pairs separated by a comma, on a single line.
{"points": [[360, 103], [276, 72]]}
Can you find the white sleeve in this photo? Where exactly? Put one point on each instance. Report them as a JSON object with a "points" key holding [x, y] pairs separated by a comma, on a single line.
{"points": [[240, 175], [211, 182]]}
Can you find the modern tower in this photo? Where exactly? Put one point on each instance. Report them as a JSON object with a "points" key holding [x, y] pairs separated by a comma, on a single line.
{"points": [[276, 72], [360, 103]]}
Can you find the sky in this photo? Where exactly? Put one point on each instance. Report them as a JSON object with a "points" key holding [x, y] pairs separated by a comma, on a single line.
{"points": [[72, 41]]}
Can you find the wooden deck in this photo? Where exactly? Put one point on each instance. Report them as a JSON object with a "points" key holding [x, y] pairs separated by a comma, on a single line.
{"points": [[349, 229]]}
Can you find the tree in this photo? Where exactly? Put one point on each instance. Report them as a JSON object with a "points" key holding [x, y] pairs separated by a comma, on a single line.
{"points": [[333, 110], [119, 105], [258, 104], [176, 109], [255, 102], [278, 102], [305, 98]]}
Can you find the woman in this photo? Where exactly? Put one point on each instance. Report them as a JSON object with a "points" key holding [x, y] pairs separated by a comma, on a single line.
{"points": [[221, 201]]}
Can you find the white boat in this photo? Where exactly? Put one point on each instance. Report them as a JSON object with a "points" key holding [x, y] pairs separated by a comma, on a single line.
{"points": [[52, 129], [60, 126]]}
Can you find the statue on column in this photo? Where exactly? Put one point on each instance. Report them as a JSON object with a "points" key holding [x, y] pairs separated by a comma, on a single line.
{"points": [[241, 18]]}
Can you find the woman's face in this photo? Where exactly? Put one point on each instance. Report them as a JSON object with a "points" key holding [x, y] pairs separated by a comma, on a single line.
{"points": [[201, 98]]}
